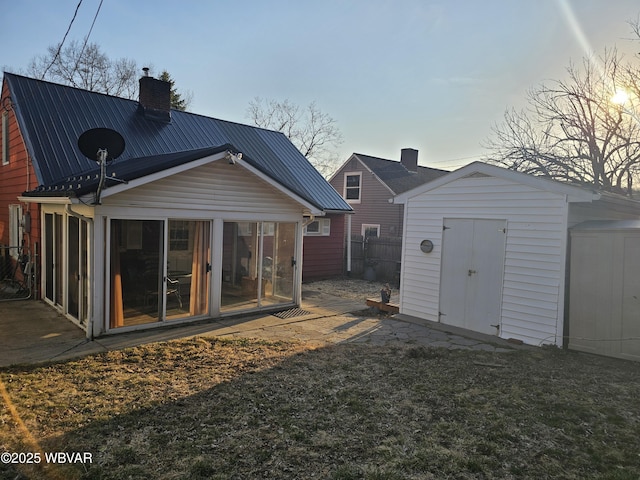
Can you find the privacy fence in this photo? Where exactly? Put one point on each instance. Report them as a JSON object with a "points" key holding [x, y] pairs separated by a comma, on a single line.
{"points": [[17, 273], [376, 258]]}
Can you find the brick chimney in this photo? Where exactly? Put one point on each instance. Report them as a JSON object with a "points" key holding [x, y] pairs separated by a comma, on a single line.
{"points": [[155, 98], [409, 158]]}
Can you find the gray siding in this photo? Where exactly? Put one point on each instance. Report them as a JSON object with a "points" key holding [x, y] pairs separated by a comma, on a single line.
{"points": [[374, 207]]}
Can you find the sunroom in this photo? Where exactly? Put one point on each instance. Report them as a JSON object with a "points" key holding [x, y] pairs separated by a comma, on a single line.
{"points": [[207, 238]]}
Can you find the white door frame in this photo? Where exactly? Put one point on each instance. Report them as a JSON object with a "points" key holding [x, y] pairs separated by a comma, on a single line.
{"points": [[472, 272]]}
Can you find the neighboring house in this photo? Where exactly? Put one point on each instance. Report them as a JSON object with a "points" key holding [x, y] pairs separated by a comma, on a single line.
{"points": [[197, 218], [368, 183], [486, 249]]}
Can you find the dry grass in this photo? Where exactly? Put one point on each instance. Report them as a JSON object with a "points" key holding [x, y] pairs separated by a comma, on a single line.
{"points": [[205, 408], [352, 288]]}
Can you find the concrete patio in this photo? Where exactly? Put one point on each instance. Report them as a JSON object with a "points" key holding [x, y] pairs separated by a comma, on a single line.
{"points": [[33, 332]]}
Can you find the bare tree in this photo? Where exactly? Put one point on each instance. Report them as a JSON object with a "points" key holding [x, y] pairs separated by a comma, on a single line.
{"points": [[87, 67], [312, 131], [573, 131]]}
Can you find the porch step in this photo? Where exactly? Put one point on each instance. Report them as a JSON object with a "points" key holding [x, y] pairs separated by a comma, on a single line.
{"points": [[385, 307]]}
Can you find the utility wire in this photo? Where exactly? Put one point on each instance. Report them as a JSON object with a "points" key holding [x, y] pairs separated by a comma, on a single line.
{"points": [[86, 39], [55, 57]]}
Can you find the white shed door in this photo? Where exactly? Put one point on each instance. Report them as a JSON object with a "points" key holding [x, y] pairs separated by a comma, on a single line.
{"points": [[471, 273]]}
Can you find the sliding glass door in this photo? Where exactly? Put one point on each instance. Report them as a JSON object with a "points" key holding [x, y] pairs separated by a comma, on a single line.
{"points": [[278, 261], [53, 264], [146, 286], [240, 266], [136, 271], [188, 268], [258, 264], [161, 269], [77, 268]]}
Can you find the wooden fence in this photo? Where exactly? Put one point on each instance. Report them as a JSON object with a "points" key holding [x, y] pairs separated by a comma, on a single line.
{"points": [[376, 258]]}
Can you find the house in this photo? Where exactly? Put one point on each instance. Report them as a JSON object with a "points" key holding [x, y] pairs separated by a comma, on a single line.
{"points": [[196, 218], [324, 247], [487, 249], [368, 183]]}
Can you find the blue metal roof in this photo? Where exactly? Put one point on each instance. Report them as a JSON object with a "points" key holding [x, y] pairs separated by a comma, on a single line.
{"points": [[52, 117]]}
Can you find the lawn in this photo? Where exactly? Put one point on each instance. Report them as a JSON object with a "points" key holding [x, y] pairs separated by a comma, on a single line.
{"points": [[213, 409]]}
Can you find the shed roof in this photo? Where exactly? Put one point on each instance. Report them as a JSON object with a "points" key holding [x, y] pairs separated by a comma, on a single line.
{"points": [[51, 117], [607, 225], [574, 193]]}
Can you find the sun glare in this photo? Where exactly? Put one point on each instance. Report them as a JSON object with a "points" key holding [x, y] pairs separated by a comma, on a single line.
{"points": [[620, 97]]}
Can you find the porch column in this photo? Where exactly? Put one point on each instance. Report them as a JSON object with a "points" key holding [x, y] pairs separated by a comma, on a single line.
{"points": [[96, 323]]}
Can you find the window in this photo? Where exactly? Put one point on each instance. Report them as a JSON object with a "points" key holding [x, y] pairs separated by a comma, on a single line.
{"points": [[5, 138], [15, 229], [352, 187], [370, 230], [179, 235], [318, 228]]}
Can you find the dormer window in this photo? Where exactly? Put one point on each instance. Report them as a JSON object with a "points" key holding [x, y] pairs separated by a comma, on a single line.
{"points": [[352, 187]]}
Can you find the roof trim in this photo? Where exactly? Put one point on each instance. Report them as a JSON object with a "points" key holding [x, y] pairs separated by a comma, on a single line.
{"points": [[573, 193], [59, 200]]}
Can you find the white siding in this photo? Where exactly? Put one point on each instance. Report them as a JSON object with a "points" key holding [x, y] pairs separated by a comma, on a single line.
{"points": [[217, 186], [533, 285]]}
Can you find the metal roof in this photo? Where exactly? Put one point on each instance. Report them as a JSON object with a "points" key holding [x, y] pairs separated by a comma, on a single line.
{"points": [[52, 117]]}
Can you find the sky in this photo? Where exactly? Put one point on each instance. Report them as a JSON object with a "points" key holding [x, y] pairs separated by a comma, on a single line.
{"points": [[434, 75]]}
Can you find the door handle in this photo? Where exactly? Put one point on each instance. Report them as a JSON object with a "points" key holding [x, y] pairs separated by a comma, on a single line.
{"points": [[471, 272]]}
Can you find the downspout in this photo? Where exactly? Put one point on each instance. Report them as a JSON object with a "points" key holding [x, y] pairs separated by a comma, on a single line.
{"points": [[68, 211], [348, 245], [312, 218]]}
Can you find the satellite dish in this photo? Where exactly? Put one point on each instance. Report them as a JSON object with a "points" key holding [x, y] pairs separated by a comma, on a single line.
{"points": [[101, 140]]}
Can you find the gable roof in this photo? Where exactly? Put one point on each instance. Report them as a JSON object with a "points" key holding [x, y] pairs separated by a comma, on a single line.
{"points": [[573, 193], [51, 118], [396, 176]]}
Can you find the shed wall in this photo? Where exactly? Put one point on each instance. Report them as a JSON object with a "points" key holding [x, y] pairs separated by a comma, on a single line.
{"points": [[533, 284], [605, 287]]}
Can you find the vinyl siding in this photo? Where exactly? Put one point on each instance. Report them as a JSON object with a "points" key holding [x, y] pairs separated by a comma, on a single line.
{"points": [[374, 207], [217, 187], [533, 283], [324, 256]]}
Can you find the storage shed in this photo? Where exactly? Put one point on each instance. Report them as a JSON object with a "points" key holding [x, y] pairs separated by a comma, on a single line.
{"points": [[486, 248], [604, 312]]}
